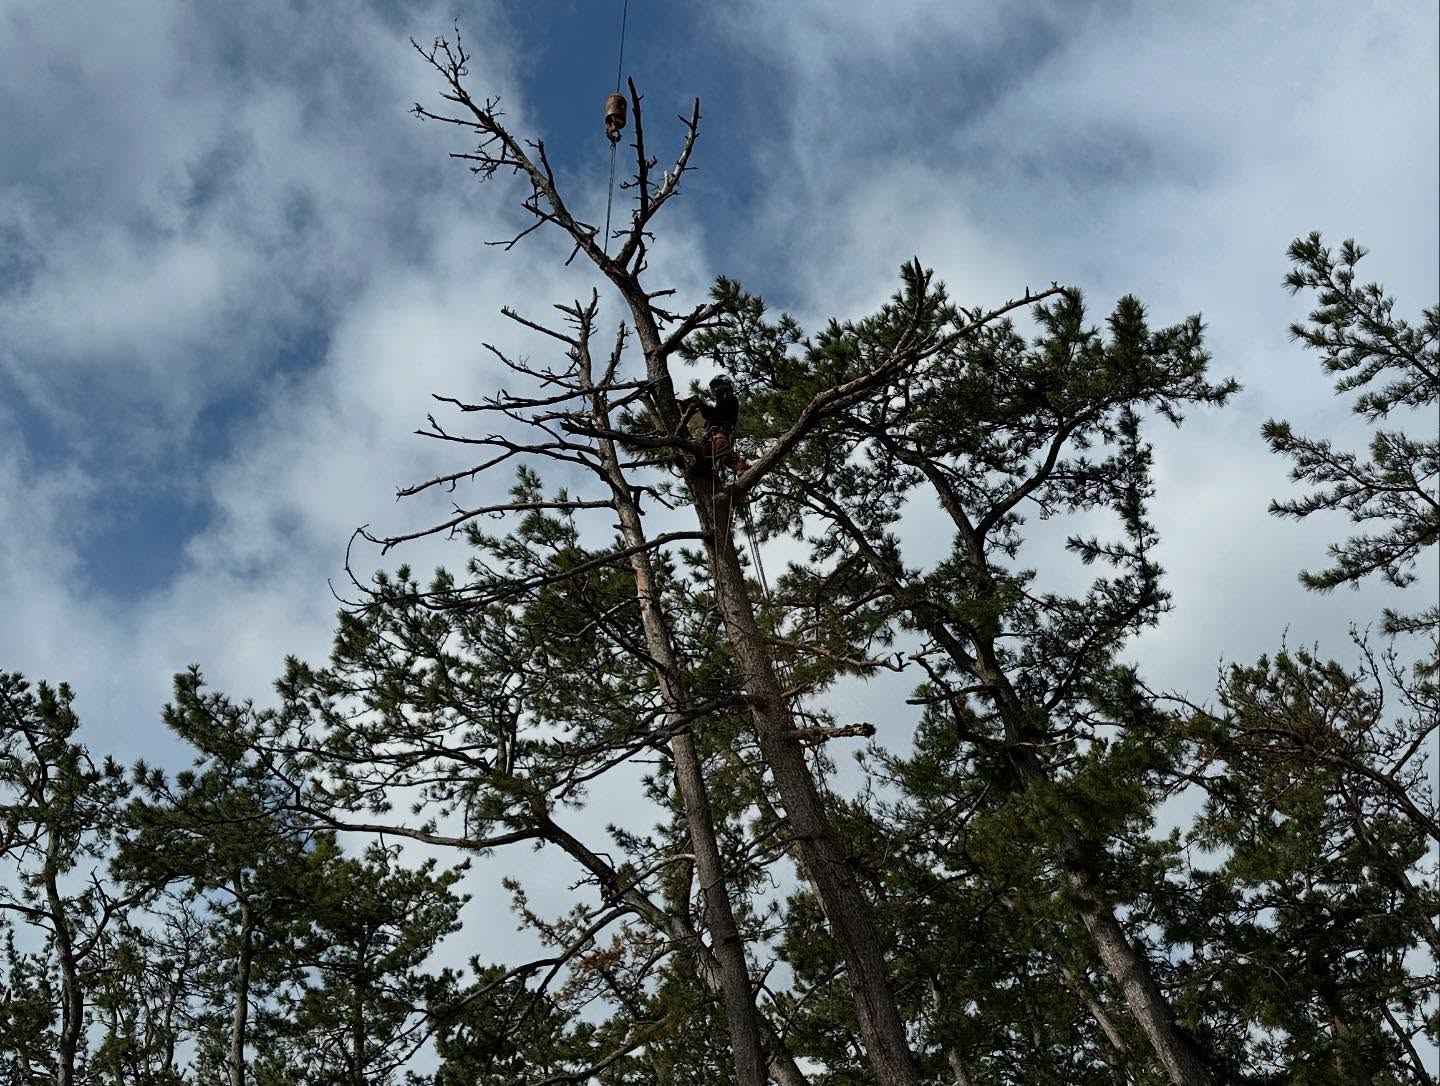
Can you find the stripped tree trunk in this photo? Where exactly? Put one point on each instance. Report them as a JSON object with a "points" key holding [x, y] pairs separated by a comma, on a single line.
{"points": [[239, 1018], [72, 996]]}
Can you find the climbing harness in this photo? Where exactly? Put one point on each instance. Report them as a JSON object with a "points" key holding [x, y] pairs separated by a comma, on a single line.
{"points": [[615, 123]]}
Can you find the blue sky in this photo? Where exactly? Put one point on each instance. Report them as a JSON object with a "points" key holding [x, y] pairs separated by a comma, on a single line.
{"points": [[233, 269]]}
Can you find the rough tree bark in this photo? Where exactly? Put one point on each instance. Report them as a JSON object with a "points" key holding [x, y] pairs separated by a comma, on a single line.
{"points": [[826, 864]]}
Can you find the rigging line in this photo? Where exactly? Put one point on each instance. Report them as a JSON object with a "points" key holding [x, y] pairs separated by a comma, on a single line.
{"points": [[609, 200], [619, 69], [784, 670]]}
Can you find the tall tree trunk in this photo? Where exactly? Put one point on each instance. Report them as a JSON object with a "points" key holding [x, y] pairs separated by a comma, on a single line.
{"points": [[167, 1050], [849, 914], [1131, 971], [72, 996], [952, 1054], [957, 1067], [827, 866], [357, 1040], [728, 946], [1382, 860], [1349, 1060], [240, 1016], [1403, 1039]]}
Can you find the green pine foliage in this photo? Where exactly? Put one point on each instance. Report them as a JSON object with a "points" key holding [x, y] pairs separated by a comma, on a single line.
{"points": [[1392, 368]]}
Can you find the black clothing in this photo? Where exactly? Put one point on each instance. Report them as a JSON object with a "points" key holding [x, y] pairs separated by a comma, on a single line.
{"points": [[723, 414]]}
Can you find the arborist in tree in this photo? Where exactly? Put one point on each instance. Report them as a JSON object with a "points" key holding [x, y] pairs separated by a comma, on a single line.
{"points": [[720, 419]]}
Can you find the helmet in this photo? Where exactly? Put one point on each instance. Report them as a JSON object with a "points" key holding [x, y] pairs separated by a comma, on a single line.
{"points": [[720, 381]]}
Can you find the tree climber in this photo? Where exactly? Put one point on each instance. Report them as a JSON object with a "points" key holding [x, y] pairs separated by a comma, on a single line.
{"points": [[720, 418]]}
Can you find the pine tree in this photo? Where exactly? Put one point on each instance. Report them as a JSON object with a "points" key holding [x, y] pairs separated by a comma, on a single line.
{"points": [[61, 814], [491, 721], [1323, 902], [149, 991], [29, 1034], [576, 426], [993, 427], [1316, 772], [227, 831], [371, 928]]}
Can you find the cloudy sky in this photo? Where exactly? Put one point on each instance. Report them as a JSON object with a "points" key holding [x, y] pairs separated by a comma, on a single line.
{"points": [[233, 268]]}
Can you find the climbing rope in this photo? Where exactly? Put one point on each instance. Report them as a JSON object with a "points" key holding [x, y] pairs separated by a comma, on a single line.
{"points": [[784, 670], [755, 552], [614, 121]]}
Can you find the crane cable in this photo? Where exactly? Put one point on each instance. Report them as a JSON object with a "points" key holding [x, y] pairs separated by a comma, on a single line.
{"points": [[619, 68]]}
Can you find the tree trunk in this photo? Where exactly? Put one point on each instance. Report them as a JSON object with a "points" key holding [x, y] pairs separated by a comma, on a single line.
{"points": [[952, 1054], [782, 1066], [239, 1018], [1132, 973], [1119, 1057], [167, 1051], [1349, 1061], [357, 1040], [72, 996], [1128, 968], [725, 939], [727, 945], [827, 866], [846, 909], [957, 1067], [1403, 1039]]}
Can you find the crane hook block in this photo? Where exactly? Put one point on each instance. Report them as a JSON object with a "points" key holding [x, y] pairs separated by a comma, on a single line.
{"points": [[614, 117]]}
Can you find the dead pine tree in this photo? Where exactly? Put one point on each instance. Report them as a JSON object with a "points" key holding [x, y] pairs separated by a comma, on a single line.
{"points": [[572, 419]]}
